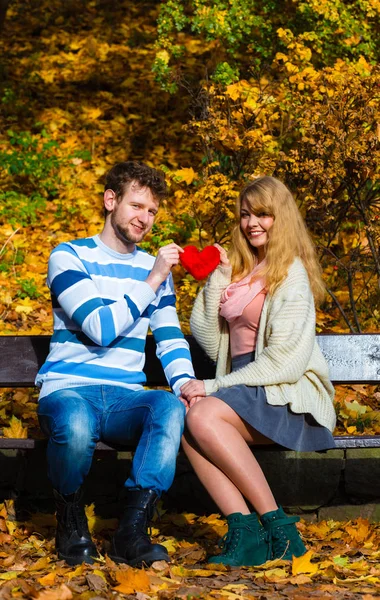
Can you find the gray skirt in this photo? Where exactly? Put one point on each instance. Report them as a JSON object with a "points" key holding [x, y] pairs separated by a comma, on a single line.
{"points": [[278, 423]]}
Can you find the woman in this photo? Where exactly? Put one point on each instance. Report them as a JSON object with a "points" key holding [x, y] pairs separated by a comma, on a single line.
{"points": [[271, 381]]}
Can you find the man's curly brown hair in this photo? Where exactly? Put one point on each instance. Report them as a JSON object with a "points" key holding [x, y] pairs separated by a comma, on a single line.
{"points": [[123, 174]]}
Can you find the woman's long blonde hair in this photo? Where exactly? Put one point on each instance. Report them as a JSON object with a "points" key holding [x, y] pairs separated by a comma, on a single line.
{"points": [[287, 238]]}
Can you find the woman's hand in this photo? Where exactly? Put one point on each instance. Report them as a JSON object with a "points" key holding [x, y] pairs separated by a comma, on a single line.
{"points": [[195, 388], [224, 262]]}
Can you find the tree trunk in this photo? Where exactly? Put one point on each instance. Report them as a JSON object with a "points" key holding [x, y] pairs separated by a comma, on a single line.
{"points": [[3, 11]]}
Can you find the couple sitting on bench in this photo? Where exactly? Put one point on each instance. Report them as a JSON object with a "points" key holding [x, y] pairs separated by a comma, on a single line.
{"points": [[255, 317]]}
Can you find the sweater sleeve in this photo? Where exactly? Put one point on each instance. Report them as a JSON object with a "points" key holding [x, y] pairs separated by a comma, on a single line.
{"points": [[205, 321], [289, 339], [172, 349], [73, 289]]}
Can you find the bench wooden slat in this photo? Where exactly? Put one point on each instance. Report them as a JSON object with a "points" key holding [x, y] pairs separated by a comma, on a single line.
{"points": [[22, 356], [341, 441], [30, 444], [351, 358]]}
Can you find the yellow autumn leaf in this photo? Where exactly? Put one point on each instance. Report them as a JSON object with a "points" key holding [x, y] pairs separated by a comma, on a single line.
{"points": [[186, 175], [91, 518], [355, 407], [235, 587], [6, 298], [182, 519], [132, 581], [48, 579], [233, 91], [100, 574], [15, 429], [40, 564], [351, 429], [369, 578], [230, 594], [92, 113], [183, 572], [48, 76], [11, 526], [300, 579], [7, 230], [319, 530], [25, 306], [302, 564], [275, 574], [170, 545], [9, 575], [360, 530], [76, 573]]}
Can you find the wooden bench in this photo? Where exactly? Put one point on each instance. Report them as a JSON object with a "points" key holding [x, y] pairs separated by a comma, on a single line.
{"points": [[352, 359]]}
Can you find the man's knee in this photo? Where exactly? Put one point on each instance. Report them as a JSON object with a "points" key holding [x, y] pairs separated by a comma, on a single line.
{"points": [[166, 403], [68, 423]]}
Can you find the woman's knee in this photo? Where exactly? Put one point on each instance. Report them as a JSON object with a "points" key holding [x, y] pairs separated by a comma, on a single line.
{"points": [[201, 419]]}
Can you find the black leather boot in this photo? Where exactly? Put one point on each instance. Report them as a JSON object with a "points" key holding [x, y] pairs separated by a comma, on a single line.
{"points": [[73, 542], [131, 543]]}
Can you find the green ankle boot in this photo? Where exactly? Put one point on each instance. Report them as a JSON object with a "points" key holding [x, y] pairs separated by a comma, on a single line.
{"points": [[284, 539], [245, 543]]}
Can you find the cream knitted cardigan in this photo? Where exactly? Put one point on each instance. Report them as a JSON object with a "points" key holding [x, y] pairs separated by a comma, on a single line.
{"points": [[288, 362]]}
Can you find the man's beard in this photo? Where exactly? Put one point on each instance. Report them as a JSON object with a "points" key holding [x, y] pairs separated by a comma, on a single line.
{"points": [[124, 234]]}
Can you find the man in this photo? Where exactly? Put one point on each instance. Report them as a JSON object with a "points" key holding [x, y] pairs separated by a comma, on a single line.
{"points": [[106, 292]]}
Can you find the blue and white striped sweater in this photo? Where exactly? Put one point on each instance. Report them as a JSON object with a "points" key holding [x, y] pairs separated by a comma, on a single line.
{"points": [[102, 308]]}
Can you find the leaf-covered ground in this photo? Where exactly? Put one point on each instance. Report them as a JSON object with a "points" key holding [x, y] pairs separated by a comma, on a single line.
{"points": [[343, 562]]}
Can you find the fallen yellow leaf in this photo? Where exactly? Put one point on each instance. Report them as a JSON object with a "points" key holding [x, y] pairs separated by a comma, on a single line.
{"points": [[170, 545], [41, 563], [76, 573], [302, 564], [132, 581], [48, 579], [9, 575], [183, 572]]}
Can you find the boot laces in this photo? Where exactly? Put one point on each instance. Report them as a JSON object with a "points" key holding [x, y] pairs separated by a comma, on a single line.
{"points": [[280, 543], [76, 517], [282, 530], [231, 539]]}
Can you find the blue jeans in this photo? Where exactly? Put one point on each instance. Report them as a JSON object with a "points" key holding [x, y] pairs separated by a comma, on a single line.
{"points": [[74, 419]]}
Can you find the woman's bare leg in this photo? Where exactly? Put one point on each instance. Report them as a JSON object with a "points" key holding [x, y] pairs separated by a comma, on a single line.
{"points": [[226, 465], [221, 489]]}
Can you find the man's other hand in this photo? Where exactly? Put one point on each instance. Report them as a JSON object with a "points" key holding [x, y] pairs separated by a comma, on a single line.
{"points": [[195, 388]]}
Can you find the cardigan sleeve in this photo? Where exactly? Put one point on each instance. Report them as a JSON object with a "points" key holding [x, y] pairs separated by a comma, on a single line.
{"points": [[289, 339], [205, 321]]}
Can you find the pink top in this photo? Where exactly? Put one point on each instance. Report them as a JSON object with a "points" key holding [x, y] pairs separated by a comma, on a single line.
{"points": [[243, 329]]}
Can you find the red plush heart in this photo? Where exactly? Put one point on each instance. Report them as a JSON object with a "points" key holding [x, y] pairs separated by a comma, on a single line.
{"points": [[200, 263]]}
